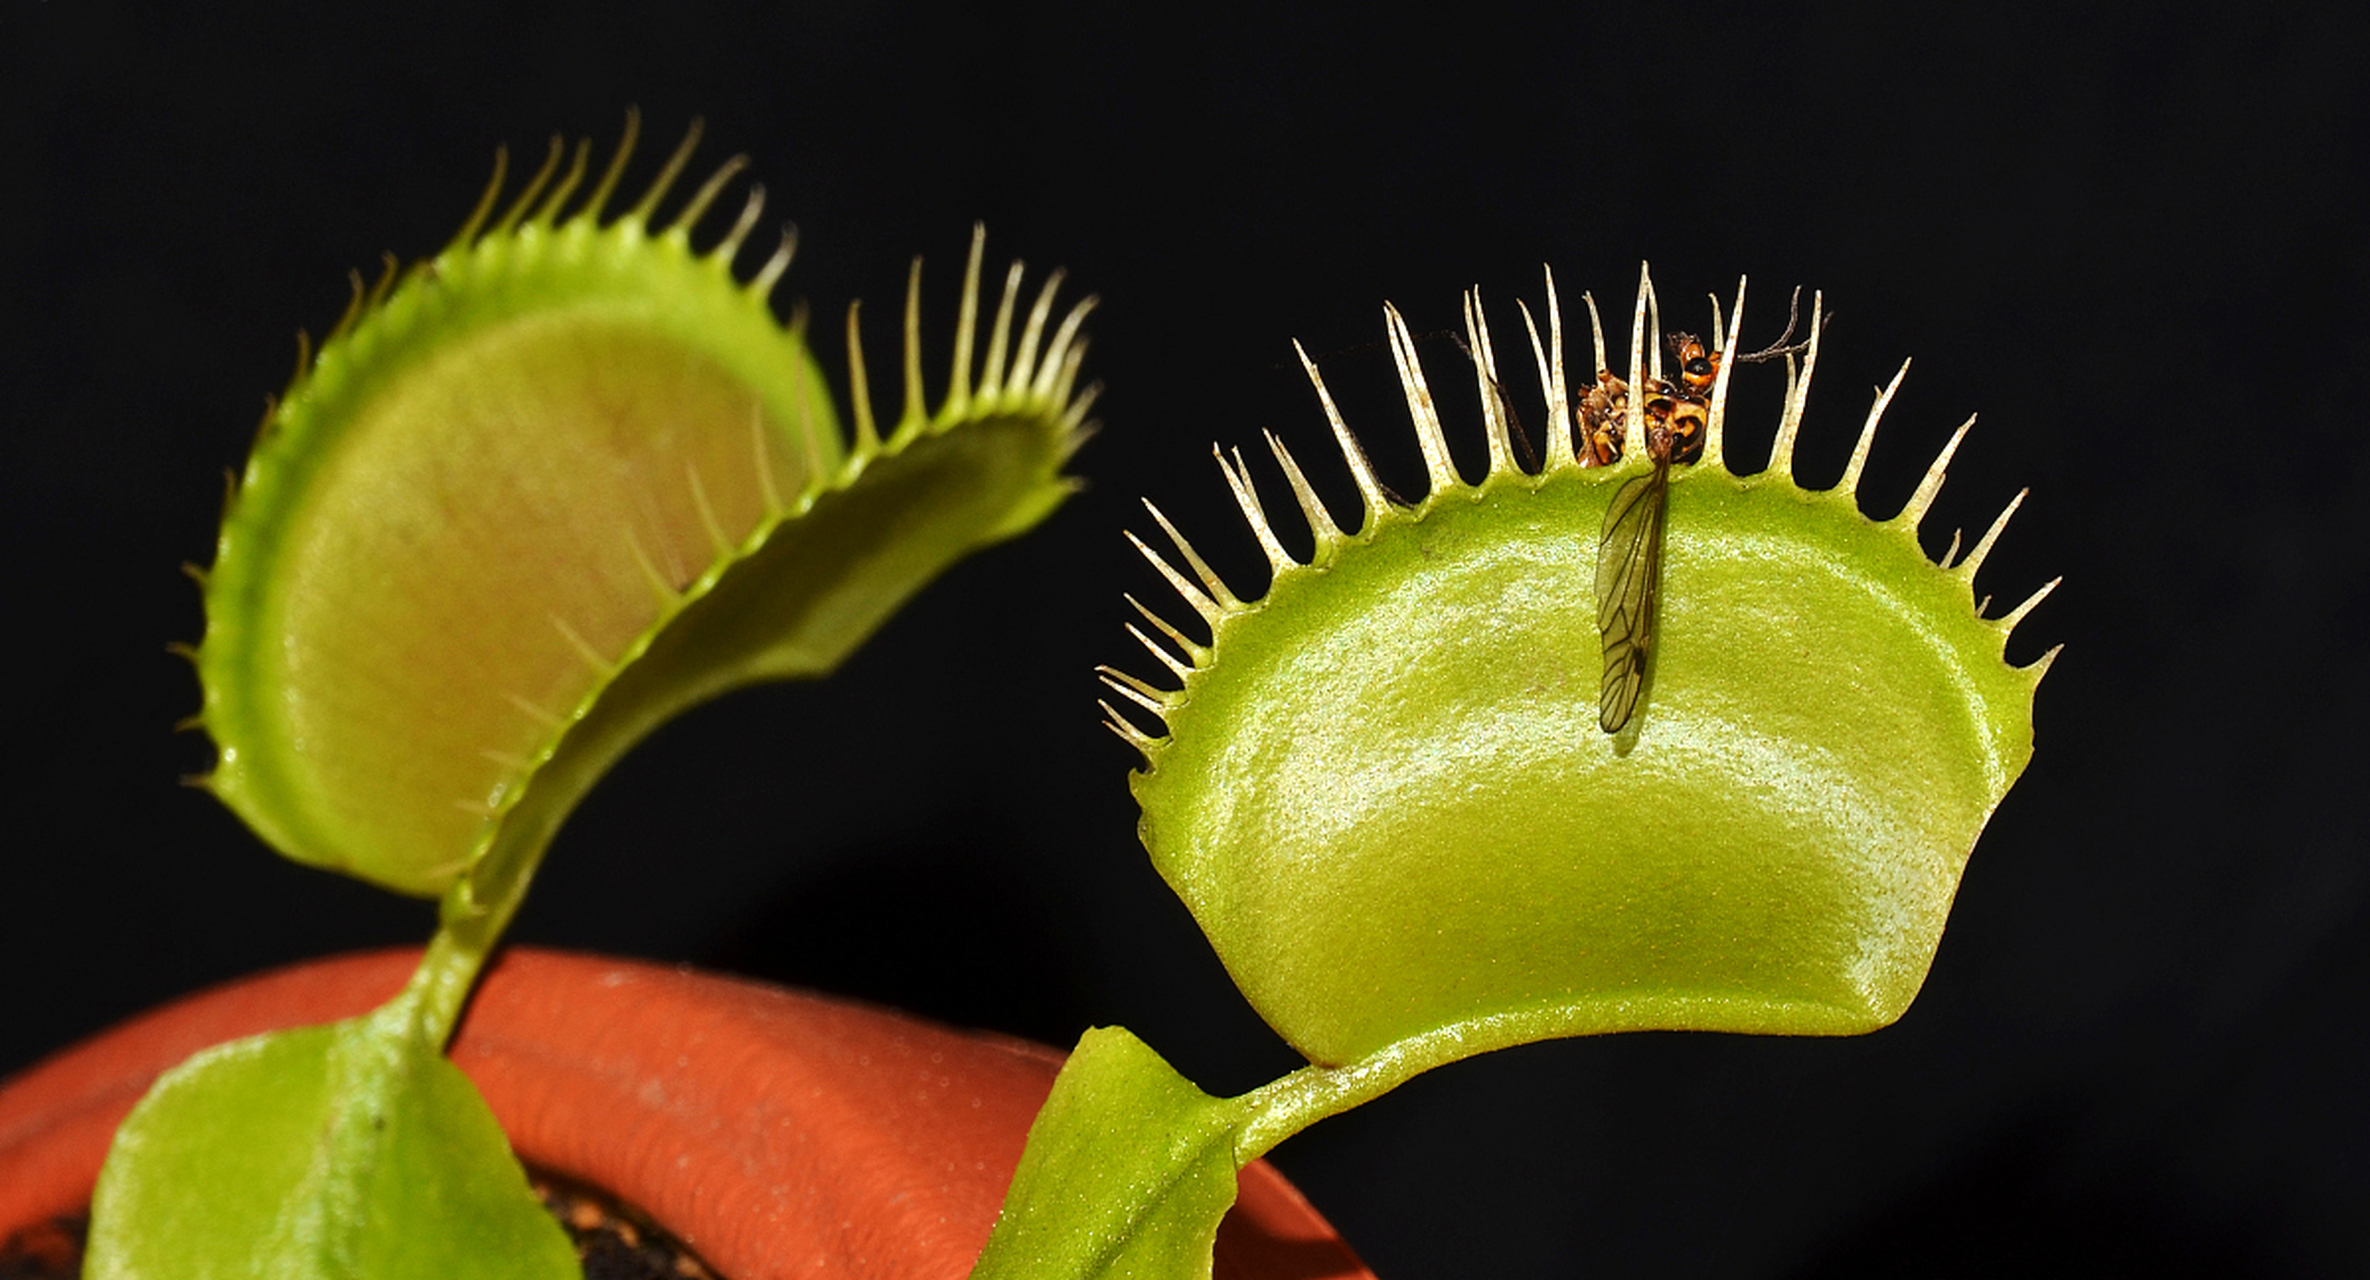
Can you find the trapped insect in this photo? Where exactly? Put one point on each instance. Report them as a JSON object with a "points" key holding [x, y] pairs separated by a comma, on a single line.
{"points": [[1629, 544], [1629, 547]]}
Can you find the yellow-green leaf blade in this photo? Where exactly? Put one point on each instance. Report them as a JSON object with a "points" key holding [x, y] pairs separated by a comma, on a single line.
{"points": [[322, 1153], [1128, 1171]]}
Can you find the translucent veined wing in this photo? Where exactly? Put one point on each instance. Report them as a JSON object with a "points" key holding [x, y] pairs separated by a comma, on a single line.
{"points": [[1628, 578]]}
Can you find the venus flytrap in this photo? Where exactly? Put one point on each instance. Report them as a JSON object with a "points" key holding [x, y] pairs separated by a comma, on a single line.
{"points": [[1390, 791], [543, 491], [530, 499]]}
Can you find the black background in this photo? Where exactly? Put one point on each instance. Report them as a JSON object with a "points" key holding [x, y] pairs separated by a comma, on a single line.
{"points": [[2137, 247]]}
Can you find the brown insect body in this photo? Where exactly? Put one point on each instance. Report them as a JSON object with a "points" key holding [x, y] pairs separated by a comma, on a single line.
{"points": [[1601, 414], [1629, 547], [1629, 572], [1684, 406], [1677, 418], [1698, 369]]}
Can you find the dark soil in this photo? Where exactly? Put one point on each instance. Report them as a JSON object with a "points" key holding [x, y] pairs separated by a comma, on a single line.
{"points": [[615, 1241], [49, 1250]]}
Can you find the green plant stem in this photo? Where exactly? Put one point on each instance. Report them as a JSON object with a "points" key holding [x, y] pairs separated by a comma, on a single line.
{"points": [[1284, 1107], [439, 988], [468, 926]]}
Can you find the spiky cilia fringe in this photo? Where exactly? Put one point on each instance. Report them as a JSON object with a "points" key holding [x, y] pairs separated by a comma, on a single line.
{"points": [[1037, 376], [1026, 381], [1212, 600]]}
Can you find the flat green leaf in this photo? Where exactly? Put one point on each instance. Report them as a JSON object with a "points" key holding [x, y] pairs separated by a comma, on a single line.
{"points": [[348, 1150], [1128, 1169]]}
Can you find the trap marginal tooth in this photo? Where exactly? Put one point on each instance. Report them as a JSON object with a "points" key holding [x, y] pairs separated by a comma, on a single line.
{"points": [[1053, 377], [1320, 521], [1369, 489], [1715, 429], [1557, 432], [991, 374], [1218, 590], [1596, 331], [390, 271], [672, 170], [1633, 423], [1781, 450], [1913, 512], [2009, 619], [1209, 610], [958, 389], [916, 411], [597, 203], [1074, 418], [355, 303], [1420, 410], [761, 285], [304, 353], [1177, 666], [1850, 484], [1654, 332], [485, 203], [1494, 423], [1966, 568], [1134, 690], [868, 438], [1199, 653], [1024, 359], [1552, 382], [519, 205], [687, 218], [1073, 439], [1126, 729], [1238, 479], [1067, 379], [752, 209]]}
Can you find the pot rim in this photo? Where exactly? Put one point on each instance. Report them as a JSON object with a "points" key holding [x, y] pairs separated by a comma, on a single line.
{"points": [[739, 1115]]}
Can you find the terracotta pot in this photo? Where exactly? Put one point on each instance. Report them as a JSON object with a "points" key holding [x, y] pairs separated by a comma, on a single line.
{"points": [[778, 1134]]}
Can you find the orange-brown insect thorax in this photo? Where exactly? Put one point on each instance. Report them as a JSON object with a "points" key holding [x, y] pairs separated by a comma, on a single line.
{"points": [[1679, 413], [1675, 421], [1601, 413], [1687, 422], [1698, 369]]}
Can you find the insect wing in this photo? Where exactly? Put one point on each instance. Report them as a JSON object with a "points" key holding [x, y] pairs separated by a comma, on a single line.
{"points": [[1628, 578]]}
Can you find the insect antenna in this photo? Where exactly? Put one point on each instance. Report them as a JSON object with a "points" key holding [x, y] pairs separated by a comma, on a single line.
{"points": [[1521, 434], [1785, 345]]}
